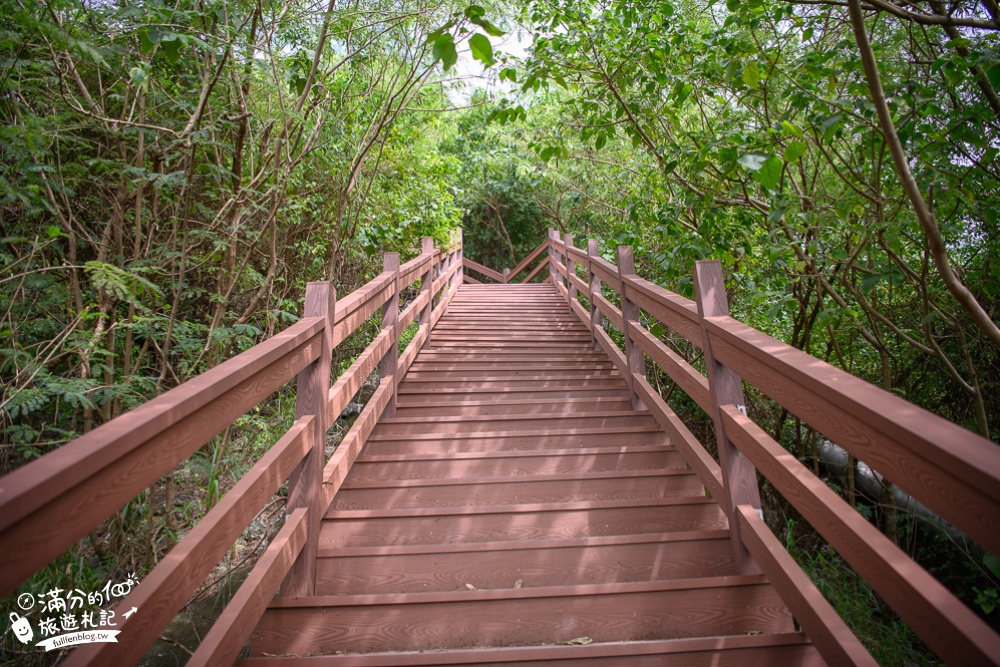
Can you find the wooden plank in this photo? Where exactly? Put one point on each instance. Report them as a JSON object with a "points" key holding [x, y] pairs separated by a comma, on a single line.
{"points": [[413, 309], [479, 268], [580, 286], [571, 287], [350, 446], [609, 310], [835, 641], [388, 366], [672, 310], [534, 272], [433, 621], [413, 269], [446, 567], [347, 385], [739, 479], [359, 305], [52, 502], [630, 322], [953, 471], [410, 353], [605, 270], [684, 374], [306, 481], [470, 280], [224, 642], [754, 650], [950, 628], [594, 287], [579, 256], [611, 349], [694, 453], [368, 528], [526, 262], [168, 587]]}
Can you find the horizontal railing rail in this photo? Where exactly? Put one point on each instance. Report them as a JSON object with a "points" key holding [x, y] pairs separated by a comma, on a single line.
{"points": [[948, 468], [508, 275], [50, 503]]}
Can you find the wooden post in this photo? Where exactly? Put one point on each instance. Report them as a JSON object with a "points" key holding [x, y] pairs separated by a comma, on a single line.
{"points": [[552, 257], [570, 271], [596, 319], [739, 477], [630, 319], [426, 282], [305, 484], [390, 320], [506, 276], [460, 257]]}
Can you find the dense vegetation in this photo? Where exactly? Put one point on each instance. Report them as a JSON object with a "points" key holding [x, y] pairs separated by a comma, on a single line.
{"points": [[172, 172]]}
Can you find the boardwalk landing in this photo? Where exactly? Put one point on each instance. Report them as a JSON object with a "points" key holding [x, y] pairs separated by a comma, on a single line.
{"points": [[516, 500]]}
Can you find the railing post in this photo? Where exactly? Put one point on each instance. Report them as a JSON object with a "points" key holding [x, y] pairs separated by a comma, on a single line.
{"points": [[506, 276], [739, 477], [630, 318], [390, 320], [552, 257], [460, 257], [305, 484], [570, 271], [426, 282], [594, 281]]}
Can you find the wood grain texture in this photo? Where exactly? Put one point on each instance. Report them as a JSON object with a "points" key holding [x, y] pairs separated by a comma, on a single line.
{"points": [[168, 587], [684, 374], [126, 458], [672, 310], [630, 322], [594, 287], [739, 478], [612, 612], [388, 366], [763, 650], [348, 384], [950, 628], [948, 468], [528, 261], [414, 269], [834, 640], [479, 268], [223, 643]]}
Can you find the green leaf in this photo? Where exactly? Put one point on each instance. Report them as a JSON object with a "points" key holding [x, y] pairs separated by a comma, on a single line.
{"points": [[994, 76], [172, 48], [487, 27], [791, 129], [444, 50], [794, 150], [751, 75], [769, 174], [482, 50], [992, 563], [868, 283], [508, 74], [753, 161]]}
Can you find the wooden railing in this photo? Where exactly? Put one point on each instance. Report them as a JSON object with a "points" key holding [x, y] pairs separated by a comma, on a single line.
{"points": [[50, 503], [953, 471], [508, 275]]}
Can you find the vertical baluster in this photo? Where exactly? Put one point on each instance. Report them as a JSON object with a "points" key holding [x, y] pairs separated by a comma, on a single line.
{"points": [[630, 319], [305, 484], [390, 320], [596, 319], [739, 477], [570, 271], [426, 282]]}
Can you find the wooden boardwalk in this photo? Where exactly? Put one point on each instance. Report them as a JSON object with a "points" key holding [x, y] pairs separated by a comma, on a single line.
{"points": [[516, 490], [517, 500]]}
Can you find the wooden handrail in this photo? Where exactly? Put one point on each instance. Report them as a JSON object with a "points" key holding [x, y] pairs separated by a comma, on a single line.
{"points": [[47, 505], [948, 468]]}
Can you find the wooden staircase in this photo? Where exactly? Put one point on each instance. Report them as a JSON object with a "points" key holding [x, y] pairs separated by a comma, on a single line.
{"points": [[517, 510]]}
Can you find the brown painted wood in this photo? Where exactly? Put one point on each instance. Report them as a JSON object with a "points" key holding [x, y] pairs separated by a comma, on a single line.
{"points": [[387, 367], [52, 502], [761, 650], [670, 309], [610, 612], [361, 304], [948, 468], [469, 280], [306, 482], [834, 640], [224, 642], [442, 568], [489, 273], [739, 478], [166, 589], [529, 260], [348, 384], [950, 628], [594, 287], [687, 378], [630, 322], [609, 310]]}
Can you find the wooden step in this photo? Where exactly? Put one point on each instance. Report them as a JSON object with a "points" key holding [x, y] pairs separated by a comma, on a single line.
{"points": [[708, 606], [512, 422], [414, 397], [409, 465], [761, 650], [506, 565], [490, 441], [522, 406], [503, 491], [462, 525]]}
